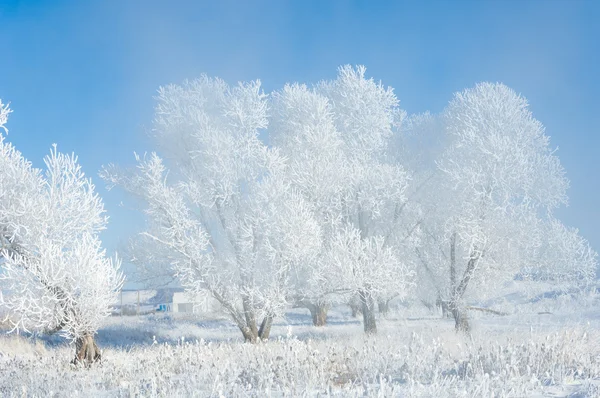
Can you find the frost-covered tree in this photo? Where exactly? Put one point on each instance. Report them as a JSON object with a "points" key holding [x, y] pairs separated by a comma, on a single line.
{"points": [[369, 268], [224, 217], [417, 143], [365, 114], [336, 136], [303, 128], [561, 260], [54, 274], [4, 111], [502, 177]]}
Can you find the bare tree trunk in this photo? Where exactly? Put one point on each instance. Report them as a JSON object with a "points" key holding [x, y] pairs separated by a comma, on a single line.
{"points": [[86, 350], [458, 311], [265, 328], [384, 307], [461, 320], [444, 305], [249, 336], [355, 310], [255, 335], [448, 308], [446, 313], [368, 310], [453, 262], [355, 306], [250, 316], [246, 320], [318, 313]]}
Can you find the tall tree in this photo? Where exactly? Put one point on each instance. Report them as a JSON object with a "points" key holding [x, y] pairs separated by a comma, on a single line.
{"points": [[336, 137], [55, 276], [503, 177], [225, 218], [303, 128]]}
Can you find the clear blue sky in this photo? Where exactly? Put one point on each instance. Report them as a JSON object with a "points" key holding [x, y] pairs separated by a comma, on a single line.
{"points": [[83, 73]]}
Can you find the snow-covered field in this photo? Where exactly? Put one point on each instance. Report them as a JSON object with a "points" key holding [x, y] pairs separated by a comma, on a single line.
{"points": [[414, 355]]}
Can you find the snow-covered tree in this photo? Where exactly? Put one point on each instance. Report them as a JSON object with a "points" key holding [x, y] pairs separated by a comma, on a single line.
{"points": [[303, 128], [336, 136], [366, 113], [562, 260], [503, 176], [417, 143], [224, 218], [54, 274], [4, 111], [368, 267]]}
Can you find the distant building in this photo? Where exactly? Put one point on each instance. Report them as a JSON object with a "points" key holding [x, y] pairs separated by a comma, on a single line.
{"points": [[138, 302], [190, 303]]}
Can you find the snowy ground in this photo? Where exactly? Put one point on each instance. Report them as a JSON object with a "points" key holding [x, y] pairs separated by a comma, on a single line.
{"points": [[415, 354]]}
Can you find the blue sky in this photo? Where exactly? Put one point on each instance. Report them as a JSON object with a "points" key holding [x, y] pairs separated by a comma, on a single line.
{"points": [[83, 73]]}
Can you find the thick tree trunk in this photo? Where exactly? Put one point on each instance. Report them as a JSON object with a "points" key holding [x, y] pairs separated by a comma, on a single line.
{"points": [[318, 313], [320, 318], [252, 335], [368, 310], [249, 335], [86, 350], [453, 262], [461, 319], [265, 328], [458, 311], [246, 319], [250, 316]]}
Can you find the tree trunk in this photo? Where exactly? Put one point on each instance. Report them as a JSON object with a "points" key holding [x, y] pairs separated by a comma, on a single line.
{"points": [[252, 335], [265, 328], [86, 350], [444, 305], [384, 307], [368, 310], [461, 319], [318, 313], [453, 262], [446, 313], [355, 310], [458, 311], [249, 335], [250, 316], [245, 321]]}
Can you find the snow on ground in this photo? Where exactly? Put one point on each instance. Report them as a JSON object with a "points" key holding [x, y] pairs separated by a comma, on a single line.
{"points": [[415, 354]]}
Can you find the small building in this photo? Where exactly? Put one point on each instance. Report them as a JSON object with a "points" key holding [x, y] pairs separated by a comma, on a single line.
{"points": [[191, 303], [139, 302]]}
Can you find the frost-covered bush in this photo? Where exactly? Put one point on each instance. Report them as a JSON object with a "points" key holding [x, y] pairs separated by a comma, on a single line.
{"points": [[433, 362]]}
